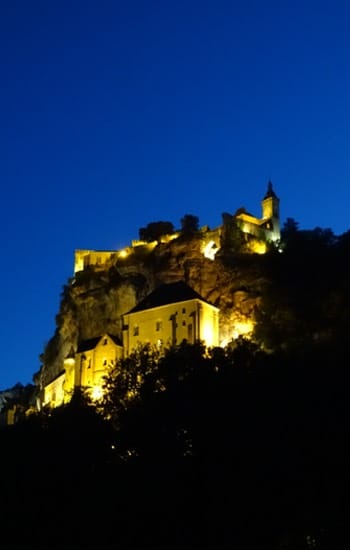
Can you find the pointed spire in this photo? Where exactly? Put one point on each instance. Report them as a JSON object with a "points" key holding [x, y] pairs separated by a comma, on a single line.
{"points": [[270, 192]]}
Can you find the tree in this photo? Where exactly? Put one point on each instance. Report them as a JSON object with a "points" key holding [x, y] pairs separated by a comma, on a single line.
{"points": [[122, 384], [289, 230], [154, 230], [189, 224], [232, 237]]}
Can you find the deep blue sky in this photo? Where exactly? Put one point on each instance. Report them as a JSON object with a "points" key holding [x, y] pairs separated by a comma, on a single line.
{"points": [[118, 113]]}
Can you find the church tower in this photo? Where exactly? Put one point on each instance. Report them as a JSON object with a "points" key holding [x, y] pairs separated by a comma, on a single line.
{"points": [[271, 212]]}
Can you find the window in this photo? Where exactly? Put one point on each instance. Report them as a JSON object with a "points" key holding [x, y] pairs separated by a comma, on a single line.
{"points": [[105, 342], [183, 310], [136, 330], [183, 323], [159, 326], [105, 362]]}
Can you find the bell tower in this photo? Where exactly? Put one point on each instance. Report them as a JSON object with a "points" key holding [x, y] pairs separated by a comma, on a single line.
{"points": [[271, 211]]}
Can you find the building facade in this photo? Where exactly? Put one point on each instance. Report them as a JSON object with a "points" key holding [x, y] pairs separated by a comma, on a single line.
{"points": [[84, 369], [172, 313]]}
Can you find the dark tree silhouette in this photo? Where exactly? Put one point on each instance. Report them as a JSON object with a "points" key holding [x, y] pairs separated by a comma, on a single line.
{"points": [[189, 224], [154, 230]]}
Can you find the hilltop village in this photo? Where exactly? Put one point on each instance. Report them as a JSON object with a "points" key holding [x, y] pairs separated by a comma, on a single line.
{"points": [[160, 292]]}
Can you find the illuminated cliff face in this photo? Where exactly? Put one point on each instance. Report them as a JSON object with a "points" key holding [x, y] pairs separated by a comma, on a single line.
{"points": [[222, 265]]}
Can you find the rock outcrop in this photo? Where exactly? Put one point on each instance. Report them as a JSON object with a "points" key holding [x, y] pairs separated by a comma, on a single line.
{"points": [[94, 301]]}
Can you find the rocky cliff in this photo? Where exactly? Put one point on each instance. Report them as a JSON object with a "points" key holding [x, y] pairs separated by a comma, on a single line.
{"points": [[94, 301]]}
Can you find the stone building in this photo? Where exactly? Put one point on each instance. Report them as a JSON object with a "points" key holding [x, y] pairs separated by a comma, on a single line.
{"points": [[170, 314]]}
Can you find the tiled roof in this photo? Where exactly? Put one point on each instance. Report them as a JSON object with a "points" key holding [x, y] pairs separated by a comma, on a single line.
{"points": [[170, 293], [115, 339], [91, 343]]}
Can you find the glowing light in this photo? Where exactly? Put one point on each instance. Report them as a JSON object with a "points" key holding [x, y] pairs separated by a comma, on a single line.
{"points": [[123, 253], [259, 247], [96, 393], [209, 250], [242, 328], [168, 238]]}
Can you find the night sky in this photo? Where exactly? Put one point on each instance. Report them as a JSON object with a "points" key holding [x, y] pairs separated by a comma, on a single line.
{"points": [[118, 113]]}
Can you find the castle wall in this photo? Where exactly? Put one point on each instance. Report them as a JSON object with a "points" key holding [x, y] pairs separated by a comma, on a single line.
{"points": [[97, 258]]}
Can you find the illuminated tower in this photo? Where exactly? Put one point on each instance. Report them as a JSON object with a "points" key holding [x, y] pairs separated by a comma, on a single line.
{"points": [[271, 212]]}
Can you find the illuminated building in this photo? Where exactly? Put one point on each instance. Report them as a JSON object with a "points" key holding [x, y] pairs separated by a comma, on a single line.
{"points": [[170, 314], [86, 369], [266, 228], [257, 231]]}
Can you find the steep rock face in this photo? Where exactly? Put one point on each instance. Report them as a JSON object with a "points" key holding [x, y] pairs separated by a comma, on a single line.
{"points": [[94, 301]]}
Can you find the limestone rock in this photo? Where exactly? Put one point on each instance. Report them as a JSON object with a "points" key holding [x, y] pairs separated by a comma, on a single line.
{"points": [[94, 301]]}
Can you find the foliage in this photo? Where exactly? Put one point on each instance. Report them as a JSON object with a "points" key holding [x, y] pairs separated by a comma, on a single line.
{"points": [[123, 383], [289, 230], [306, 298], [234, 422], [232, 239], [189, 224], [155, 230], [238, 447]]}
